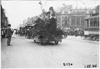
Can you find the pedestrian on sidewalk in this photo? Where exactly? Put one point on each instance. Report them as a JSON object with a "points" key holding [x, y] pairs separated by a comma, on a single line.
{"points": [[14, 35], [9, 34]]}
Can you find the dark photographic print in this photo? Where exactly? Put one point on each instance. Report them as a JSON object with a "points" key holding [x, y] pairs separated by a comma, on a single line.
{"points": [[50, 33]]}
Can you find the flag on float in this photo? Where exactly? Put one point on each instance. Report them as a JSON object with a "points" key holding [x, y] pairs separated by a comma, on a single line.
{"points": [[40, 2]]}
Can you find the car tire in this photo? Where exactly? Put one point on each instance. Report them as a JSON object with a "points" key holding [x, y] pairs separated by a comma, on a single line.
{"points": [[56, 42], [35, 41]]}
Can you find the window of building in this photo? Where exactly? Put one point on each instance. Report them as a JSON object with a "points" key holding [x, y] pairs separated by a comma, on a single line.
{"points": [[73, 20], [98, 21], [82, 21], [87, 21], [91, 22], [78, 21], [95, 22]]}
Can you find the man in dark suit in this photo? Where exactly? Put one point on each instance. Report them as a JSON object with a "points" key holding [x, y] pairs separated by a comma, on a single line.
{"points": [[9, 34]]}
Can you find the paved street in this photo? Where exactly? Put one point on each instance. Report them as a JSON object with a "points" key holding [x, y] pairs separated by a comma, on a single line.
{"points": [[73, 52]]}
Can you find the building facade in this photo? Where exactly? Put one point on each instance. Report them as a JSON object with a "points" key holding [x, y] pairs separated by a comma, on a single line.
{"points": [[4, 19], [4, 22], [74, 18]]}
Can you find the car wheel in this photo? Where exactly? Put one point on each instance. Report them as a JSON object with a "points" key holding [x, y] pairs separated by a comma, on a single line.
{"points": [[35, 41], [56, 42]]}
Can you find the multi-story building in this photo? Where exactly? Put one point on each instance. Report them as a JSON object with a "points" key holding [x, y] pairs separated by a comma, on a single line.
{"points": [[76, 18], [4, 22], [4, 19], [73, 18]]}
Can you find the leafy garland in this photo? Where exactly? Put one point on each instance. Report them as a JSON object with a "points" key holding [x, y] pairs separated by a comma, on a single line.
{"points": [[47, 28]]}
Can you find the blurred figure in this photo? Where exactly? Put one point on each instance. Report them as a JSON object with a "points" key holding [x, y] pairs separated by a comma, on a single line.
{"points": [[52, 12], [14, 33], [76, 33], [82, 33], [47, 16], [9, 34]]}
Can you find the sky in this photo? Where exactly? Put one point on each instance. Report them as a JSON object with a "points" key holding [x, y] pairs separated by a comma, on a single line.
{"points": [[17, 11]]}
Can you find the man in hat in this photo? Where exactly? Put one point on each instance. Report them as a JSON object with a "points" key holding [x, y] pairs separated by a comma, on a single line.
{"points": [[9, 34]]}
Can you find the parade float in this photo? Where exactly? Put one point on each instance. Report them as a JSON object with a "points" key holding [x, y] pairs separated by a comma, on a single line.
{"points": [[45, 29]]}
